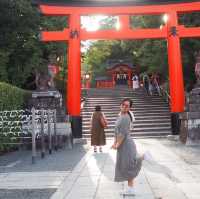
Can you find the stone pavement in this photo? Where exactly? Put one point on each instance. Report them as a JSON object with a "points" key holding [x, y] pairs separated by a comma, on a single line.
{"points": [[168, 176], [20, 179], [173, 174]]}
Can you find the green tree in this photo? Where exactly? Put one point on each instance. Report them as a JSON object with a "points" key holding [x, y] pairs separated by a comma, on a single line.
{"points": [[22, 54], [20, 49]]}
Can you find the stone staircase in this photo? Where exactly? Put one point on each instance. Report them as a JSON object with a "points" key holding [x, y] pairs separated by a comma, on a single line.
{"points": [[151, 112]]}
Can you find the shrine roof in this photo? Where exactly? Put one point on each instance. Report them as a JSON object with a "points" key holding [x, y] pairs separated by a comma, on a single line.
{"points": [[109, 2], [115, 63]]}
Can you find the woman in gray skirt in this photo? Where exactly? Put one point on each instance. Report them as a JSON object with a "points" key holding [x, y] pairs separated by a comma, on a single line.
{"points": [[128, 163]]}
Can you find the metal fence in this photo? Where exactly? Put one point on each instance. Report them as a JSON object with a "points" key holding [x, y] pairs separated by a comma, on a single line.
{"points": [[30, 127]]}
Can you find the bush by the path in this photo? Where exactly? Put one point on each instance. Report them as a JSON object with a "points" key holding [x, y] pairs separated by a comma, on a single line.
{"points": [[12, 98]]}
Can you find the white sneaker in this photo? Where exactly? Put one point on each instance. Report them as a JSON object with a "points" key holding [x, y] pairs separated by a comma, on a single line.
{"points": [[148, 156]]}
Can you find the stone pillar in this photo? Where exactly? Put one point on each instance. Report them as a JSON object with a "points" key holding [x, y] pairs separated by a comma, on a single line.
{"points": [[190, 120]]}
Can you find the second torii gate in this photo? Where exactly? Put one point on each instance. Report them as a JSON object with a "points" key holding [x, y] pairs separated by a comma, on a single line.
{"points": [[172, 32]]}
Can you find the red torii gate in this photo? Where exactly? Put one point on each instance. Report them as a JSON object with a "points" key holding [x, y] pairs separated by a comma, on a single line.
{"points": [[172, 32]]}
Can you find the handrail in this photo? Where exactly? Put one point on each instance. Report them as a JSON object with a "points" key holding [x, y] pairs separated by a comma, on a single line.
{"points": [[83, 100], [165, 94], [84, 92]]}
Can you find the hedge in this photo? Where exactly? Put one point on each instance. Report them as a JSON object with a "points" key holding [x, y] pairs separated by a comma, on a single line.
{"points": [[12, 98]]}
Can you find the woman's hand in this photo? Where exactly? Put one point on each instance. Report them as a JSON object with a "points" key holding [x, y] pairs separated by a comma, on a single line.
{"points": [[114, 147], [117, 142]]}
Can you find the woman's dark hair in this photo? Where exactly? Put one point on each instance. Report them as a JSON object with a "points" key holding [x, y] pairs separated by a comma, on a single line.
{"points": [[127, 100], [131, 103], [97, 108], [130, 116]]}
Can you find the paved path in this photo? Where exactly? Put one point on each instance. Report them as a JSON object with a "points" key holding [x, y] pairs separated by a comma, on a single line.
{"points": [[20, 179], [173, 174], [169, 176]]}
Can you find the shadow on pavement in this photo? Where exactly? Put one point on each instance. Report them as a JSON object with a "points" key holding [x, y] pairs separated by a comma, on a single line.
{"points": [[61, 160]]}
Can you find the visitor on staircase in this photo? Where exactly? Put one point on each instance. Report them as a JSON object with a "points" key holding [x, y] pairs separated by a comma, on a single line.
{"points": [[156, 84], [98, 123], [135, 81], [146, 83]]}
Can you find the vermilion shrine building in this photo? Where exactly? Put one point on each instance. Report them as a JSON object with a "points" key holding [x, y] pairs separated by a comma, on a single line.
{"points": [[172, 32], [119, 72]]}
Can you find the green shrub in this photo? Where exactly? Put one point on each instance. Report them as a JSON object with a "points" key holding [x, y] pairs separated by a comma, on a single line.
{"points": [[12, 98]]}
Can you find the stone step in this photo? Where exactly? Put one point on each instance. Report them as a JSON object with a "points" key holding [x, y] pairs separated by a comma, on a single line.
{"points": [[138, 105], [135, 109], [136, 113], [145, 125], [135, 134], [144, 104], [122, 96], [117, 98], [137, 122], [140, 129], [114, 112], [106, 93], [116, 102], [114, 99], [138, 118], [135, 106], [152, 117]]}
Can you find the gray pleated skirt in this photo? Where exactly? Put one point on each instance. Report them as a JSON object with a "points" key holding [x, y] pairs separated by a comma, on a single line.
{"points": [[128, 164]]}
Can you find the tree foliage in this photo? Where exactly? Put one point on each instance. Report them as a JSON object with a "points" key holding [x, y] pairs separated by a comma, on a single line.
{"points": [[18, 40], [22, 54]]}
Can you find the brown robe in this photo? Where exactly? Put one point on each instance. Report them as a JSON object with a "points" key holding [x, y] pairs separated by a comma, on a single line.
{"points": [[97, 130]]}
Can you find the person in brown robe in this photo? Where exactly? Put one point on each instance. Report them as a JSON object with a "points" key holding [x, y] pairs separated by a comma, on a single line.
{"points": [[98, 123]]}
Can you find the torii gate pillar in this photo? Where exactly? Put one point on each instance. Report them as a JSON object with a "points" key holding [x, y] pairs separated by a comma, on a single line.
{"points": [[175, 71], [74, 75]]}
